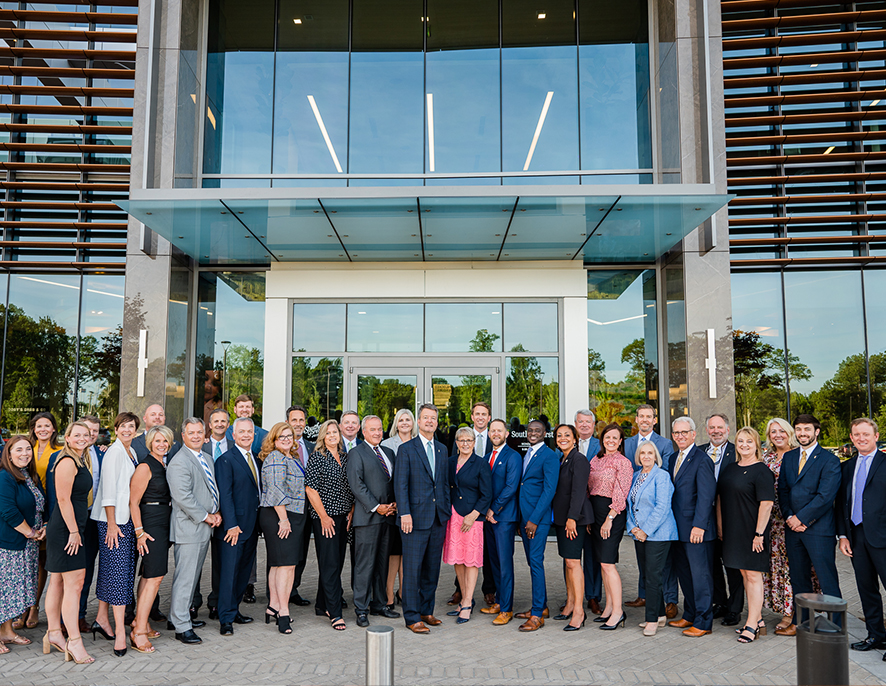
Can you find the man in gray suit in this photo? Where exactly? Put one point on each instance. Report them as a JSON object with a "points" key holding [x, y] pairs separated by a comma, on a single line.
{"points": [[370, 467], [191, 478]]}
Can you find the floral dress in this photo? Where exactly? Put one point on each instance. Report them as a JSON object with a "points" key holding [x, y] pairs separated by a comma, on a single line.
{"points": [[18, 568]]}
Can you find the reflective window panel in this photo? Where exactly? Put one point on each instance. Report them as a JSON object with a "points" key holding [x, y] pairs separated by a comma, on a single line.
{"points": [[455, 395], [387, 328], [318, 327], [530, 327], [384, 395], [317, 384], [177, 326], [676, 325], [101, 339], [463, 327], [532, 390]]}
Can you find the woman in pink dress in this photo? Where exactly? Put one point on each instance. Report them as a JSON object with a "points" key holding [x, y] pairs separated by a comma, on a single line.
{"points": [[470, 484]]}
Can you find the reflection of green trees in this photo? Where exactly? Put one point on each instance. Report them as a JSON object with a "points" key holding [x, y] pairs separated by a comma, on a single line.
{"points": [[528, 395], [384, 398], [617, 402], [317, 385], [100, 363]]}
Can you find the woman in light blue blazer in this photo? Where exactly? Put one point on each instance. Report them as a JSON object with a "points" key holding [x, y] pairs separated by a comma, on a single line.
{"points": [[652, 524]]}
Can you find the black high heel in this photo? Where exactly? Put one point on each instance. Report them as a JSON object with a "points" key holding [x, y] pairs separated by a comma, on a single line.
{"points": [[463, 620], [600, 620], [613, 627], [120, 653], [271, 612], [560, 617], [570, 627], [97, 628], [284, 624]]}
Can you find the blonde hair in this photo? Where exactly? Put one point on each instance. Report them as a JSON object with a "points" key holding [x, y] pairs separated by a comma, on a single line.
{"points": [[268, 445], [394, 431], [153, 432], [321, 437], [752, 432], [787, 428], [654, 449], [67, 451]]}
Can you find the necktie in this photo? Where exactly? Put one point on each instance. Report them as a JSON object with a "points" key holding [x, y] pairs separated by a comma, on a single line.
{"points": [[526, 459], [301, 457], [480, 444], [802, 462], [217, 453], [861, 475], [213, 489], [492, 459], [714, 454], [430, 450], [583, 446], [251, 466], [679, 462], [384, 465]]}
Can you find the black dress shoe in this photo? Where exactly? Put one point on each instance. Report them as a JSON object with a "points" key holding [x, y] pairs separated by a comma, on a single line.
{"points": [[296, 599], [731, 619], [226, 629], [386, 612], [242, 619], [213, 613], [344, 604], [193, 612], [194, 625], [157, 616], [719, 611], [249, 596], [362, 619], [189, 637], [869, 644]]}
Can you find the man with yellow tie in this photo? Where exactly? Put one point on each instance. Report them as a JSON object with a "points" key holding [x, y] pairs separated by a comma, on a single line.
{"points": [[807, 487]]}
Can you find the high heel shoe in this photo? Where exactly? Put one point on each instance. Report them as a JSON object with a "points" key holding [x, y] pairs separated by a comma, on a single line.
{"points": [[561, 617], [570, 627], [48, 645], [284, 624], [97, 628], [457, 611], [270, 613], [146, 649], [744, 639], [613, 627], [70, 656], [120, 653], [463, 620], [761, 628], [600, 620]]}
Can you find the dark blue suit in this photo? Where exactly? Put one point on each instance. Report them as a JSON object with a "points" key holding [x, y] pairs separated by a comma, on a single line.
{"points": [[499, 537], [693, 504], [810, 497], [537, 487], [424, 496], [238, 498]]}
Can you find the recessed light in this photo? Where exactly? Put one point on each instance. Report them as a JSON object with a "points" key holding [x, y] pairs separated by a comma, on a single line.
{"points": [[296, 21], [361, 313], [541, 15]]}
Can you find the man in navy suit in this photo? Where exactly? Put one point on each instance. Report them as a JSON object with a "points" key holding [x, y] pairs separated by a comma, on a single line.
{"points": [[695, 488], [861, 526], [541, 469], [501, 520], [645, 421], [728, 592], [421, 490], [245, 408], [237, 475], [154, 416], [807, 487], [589, 446]]}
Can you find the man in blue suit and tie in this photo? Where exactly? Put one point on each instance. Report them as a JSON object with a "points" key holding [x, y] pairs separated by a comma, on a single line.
{"points": [[245, 408], [807, 488], [645, 421], [541, 469], [695, 488], [501, 520], [237, 474], [421, 491]]}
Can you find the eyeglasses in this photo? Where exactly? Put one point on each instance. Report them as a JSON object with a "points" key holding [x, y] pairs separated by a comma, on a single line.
{"points": [[286, 437], [680, 433], [465, 441]]}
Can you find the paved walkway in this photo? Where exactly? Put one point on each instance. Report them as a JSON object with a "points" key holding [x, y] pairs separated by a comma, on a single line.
{"points": [[474, 653]]}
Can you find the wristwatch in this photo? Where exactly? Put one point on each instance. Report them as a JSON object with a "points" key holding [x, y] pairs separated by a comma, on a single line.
{"points": [[610, 516]]}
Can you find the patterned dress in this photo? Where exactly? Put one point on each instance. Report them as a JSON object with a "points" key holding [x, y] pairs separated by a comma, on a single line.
{"points": [[18, 569]]}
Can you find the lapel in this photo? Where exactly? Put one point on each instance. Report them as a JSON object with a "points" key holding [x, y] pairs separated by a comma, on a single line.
{"points": [[423, 455], [810, 459], [199, 467], [241, 461], [534, 462], [368, 449], [875, 464], [648, 480], [690, 456]]}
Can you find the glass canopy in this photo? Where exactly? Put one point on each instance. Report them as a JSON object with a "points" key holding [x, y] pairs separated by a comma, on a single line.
{"points": [[258, 226]]}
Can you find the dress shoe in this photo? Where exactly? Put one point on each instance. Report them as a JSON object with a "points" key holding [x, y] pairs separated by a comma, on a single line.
{"points": [[869, 644], [489, 598], [731, 619], [226, 629], [249, 595], [385, 612], [418, 628], [526, 615], [680, 624], [193, 612], [719, 611], [242, 619], [194, 625], [157, 616], [189, 637], [344, 604], [431, 620], [671, 610], [788, 631], [594, 606], [362, 619], [84, 627], [493, 609], [694, 632], [503, 618], [639, 602], [213, 613], [613, 627], [532, 624], [296, 599], [455, 599]]}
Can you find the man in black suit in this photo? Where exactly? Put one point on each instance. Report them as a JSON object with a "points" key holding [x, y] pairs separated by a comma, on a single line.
{"points": [[728, 604], [861, 526], [370, 468], [297, 417]]}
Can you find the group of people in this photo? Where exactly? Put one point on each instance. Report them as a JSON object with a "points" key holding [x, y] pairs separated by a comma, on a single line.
{"points": [[723, 521]]}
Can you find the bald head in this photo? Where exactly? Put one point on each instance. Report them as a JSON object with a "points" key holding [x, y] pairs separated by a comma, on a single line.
{"points": [[154, 416]]}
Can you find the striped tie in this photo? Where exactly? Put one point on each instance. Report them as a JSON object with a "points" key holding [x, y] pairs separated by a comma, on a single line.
{"points": [[211, 479]]}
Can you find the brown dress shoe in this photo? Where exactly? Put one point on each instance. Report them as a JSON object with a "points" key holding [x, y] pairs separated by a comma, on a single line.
{"points": [[493, 609], [639, 602], [455, 599], [790, 630], [84, 627], [671, 610], [418, 628], [431, 620], [680, 624], [526, 615], [692, 632], [503, 618], [532, 624], [490, 599], [594, 606]]}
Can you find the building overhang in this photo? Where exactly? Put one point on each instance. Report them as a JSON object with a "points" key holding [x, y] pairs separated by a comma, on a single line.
{"points": [[606, 224]]}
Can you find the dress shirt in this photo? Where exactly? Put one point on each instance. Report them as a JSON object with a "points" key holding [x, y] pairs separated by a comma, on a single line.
{"points": [[719, 461], [641, 437], [529, 453], [250, 462], [93, 453], [303, 451], [217, 448], [350, 444], [863, 462], [679, 463], [583, 446], [480, 438], [378, 451]]}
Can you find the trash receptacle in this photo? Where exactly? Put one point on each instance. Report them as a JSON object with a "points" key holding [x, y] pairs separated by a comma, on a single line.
{"points": [[822, 641]]}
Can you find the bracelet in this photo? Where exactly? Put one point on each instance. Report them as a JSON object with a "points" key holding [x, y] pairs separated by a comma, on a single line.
{"points": [[139, 528], [73, 533], [760, 535]]}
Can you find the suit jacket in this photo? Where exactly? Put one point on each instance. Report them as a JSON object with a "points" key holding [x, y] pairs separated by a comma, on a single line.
{"points": [[191, 498], [470, 488], [665, 447], [810, 496], [357, 441], [653, 513], [694, 491], [113, 484], [506, 474], [17, 503], [593, 448], [238, 493], [370, 484], [256, 441], [538, 485], [571, 497], [873, 504], [416, 491], [727, 457], [141, 450]]}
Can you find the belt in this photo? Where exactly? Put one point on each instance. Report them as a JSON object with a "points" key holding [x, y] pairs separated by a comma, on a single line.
{"points": [[167, 504]]}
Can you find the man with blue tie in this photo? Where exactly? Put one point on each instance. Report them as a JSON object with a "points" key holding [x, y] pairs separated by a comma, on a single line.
{"points": [[695, 488], [589, 446], [245, 408], [421, 490], [541, 469], [501, 520], [807, 488], [861, 526]]}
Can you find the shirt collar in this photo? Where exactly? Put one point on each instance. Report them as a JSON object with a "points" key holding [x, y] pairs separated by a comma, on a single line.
{"points": [[809, 449], [425, 441]]}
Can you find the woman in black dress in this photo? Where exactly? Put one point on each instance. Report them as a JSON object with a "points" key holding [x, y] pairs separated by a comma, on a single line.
{"points": [[65, 555], [151, 509], [745, 495]]}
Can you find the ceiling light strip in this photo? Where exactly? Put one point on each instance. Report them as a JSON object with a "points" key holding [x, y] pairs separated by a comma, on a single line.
{"points": [[541, 122], [324, 132], [431, 157]]}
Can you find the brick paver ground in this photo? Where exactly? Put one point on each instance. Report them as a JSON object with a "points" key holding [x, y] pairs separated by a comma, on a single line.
{"points": [[473, 653]]}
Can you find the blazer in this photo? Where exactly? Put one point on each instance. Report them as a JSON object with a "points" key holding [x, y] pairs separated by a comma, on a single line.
{"points": [[538, 485], [256, 441], [665, 447], [652, 512], [191, 498], [394, 443], [470, 488], [238, 492], [113, 485], [810, 496], [141, 450], [571, 497], [593, 448], [370, 484], [695, 489], [416, 492], [728, 456], [873, 504], [506, 473], [98, 454], [17, 505]]}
